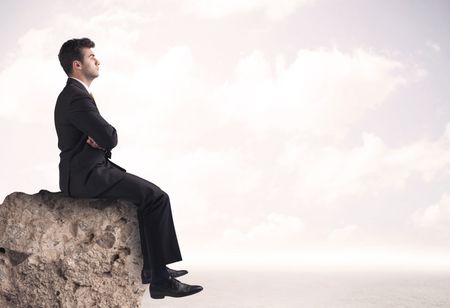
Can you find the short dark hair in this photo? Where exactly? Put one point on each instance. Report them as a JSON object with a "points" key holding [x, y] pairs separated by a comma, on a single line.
{"points": [[71, 51]]}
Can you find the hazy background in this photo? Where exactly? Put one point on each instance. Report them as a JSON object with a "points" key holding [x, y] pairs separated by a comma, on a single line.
{"points": [[293, 133]]}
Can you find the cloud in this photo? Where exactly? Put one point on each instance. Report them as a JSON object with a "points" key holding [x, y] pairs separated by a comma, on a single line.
{"points": [[250, 153], [221, 8], [268, 122], [434, 46], [273, 129], [329, 173], [26, 66], [321, 93], [434, 216]]}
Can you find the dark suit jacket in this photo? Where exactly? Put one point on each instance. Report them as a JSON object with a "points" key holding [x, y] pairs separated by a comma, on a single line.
{"points": [[83, 170]]}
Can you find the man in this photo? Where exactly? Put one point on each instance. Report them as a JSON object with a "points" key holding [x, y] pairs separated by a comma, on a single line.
{"points": [[86, 139]]}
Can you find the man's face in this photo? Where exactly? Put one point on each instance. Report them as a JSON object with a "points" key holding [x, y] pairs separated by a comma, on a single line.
{"points": [[90, 64]]}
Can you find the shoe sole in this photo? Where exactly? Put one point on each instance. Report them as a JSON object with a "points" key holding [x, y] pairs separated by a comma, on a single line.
{"points": [[160, 296]]}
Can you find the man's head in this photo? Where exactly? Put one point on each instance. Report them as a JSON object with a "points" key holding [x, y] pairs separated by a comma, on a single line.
{"points": [[78, 60]]}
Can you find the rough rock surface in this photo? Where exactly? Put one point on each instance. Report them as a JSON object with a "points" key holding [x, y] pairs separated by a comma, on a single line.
{"points": [[57, 251]]}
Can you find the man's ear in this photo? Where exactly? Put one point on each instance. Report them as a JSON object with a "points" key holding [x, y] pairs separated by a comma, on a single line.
{"points": [[76, 64]]}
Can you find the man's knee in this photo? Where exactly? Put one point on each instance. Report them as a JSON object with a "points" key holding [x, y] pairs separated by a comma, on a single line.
{"points": [[156, 198], [163, 198]]}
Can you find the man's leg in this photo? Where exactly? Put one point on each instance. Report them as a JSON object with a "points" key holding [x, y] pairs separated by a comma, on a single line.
{"points": [[159, 242]]}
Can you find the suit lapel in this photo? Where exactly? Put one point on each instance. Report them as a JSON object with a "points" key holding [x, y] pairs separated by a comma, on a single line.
{"points": [[71, 81]]}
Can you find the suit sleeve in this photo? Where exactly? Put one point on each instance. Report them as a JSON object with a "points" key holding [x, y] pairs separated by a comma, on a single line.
{"points": [[84, 115]]}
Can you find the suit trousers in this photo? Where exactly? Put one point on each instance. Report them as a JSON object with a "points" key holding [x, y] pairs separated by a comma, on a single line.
{"points": [[159, 241]]}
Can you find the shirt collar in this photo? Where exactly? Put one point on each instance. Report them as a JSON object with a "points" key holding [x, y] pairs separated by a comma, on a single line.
{"points": [[87, 88]]}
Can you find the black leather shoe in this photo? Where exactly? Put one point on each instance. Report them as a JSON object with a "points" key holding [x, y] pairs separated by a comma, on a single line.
{"points": [[174, 288], [146, 275]]}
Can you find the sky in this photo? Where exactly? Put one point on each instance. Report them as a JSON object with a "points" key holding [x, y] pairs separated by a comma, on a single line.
{"points": [[293, 132]]}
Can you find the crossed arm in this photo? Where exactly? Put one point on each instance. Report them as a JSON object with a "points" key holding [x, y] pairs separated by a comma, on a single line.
{"points": [[84, 115], [93, 144]]}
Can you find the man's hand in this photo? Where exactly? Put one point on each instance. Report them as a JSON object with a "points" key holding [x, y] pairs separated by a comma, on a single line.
{"points": [[93, 144]]}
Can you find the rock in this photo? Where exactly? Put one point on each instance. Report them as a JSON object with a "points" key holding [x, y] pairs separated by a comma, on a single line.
{"points": [[57, 251]]}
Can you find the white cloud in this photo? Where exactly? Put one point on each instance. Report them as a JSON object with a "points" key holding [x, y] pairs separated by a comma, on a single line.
{"points": [[434, 216], [322, 92], [329, 173], [29, 66], [249, 154], [269, 119], [433, 45], [221, 8]]}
